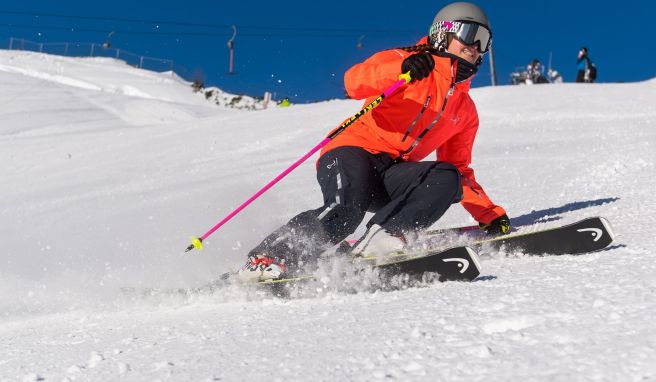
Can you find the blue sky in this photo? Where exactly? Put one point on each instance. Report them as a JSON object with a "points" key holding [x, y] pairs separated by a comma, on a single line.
{"points": [[300, 49]]}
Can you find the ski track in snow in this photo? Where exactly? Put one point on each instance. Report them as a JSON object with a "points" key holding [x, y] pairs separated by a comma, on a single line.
{"points": [[108, 170]]}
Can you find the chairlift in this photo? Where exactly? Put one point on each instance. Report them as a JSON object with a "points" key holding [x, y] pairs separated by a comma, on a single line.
{"points": [[106, 44], [231, 46]]}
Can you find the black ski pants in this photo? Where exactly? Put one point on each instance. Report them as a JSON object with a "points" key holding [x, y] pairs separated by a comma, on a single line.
{"points": [[404, 196]]}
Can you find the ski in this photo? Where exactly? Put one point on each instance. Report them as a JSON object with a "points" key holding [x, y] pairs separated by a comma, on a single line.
{"points": [[458, 230], [462, 263], [453, 264], [587, 235], [470, 230]]}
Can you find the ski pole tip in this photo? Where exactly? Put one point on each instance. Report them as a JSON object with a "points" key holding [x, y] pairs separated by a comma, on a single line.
{"points": [[195, 243]]}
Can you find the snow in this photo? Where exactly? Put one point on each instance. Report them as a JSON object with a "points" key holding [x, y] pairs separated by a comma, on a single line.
{"points": [[108, 171]]}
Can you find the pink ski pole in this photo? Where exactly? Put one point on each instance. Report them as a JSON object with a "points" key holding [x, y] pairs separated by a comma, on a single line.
{"points": [[197, 242]]}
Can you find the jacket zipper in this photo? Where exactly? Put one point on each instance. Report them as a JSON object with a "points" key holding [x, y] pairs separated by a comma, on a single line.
{"points": [[434, 121], [423, 109]]}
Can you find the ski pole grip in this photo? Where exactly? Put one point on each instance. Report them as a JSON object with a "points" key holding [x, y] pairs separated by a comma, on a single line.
{"points": [[405, 76]]}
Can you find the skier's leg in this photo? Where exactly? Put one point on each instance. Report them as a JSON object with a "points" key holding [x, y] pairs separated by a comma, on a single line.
{"points": [[350, 181], [291, 245], [420, 193]]}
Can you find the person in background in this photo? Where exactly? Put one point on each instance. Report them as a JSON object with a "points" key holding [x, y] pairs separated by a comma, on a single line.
{"points": [[376, 165], [587, 71], [534, 73]]}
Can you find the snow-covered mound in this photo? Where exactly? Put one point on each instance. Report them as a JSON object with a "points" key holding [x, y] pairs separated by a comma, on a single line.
{"points": [[107, 171], [243, 102]]}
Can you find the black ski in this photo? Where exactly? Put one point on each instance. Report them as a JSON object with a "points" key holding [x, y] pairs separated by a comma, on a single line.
{"points": [[588, 235], [462, 263], [453, 264]]}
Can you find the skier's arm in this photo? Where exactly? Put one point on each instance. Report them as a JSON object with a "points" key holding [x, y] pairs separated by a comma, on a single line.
{"points": [[458, 151], [375, 74]]}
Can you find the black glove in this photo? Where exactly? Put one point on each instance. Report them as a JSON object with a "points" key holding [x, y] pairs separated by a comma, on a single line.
{"points": [[419, 65], [498, 226]]}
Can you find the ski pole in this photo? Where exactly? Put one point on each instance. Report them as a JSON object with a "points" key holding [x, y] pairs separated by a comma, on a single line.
{"points": [[197, 242]]}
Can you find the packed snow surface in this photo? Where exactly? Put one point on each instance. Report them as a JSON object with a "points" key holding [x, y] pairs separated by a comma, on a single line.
{"points": [[107, 171]]}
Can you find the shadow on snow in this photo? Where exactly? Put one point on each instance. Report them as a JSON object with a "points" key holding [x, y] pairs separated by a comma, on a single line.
{"points": [[550, 214]]}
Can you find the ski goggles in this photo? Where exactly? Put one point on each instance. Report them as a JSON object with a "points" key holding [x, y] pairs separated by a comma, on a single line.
{"points": [[468, 33]]}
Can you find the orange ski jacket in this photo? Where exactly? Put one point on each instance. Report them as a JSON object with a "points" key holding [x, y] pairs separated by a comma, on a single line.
{"points": [[431, 115]]}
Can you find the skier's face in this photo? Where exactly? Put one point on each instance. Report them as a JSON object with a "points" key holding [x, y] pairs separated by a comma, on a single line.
{"points": [[467, 52]]}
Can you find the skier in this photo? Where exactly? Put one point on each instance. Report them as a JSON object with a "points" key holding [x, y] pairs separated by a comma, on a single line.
{"points": [[375, 165], [534, 73], [587, 71]]}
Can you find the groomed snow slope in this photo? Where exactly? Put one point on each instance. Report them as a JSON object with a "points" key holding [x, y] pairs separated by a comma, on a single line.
{"points": [[108, 170]]}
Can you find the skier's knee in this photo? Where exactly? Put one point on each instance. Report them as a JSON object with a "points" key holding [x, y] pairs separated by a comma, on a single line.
{"points": [[448, 178]]}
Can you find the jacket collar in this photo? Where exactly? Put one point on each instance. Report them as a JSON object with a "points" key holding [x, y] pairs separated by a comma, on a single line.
{"points": [[464, 71]]}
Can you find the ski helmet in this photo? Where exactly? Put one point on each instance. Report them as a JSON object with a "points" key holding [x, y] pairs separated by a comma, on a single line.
{"points": [[466, 22]]}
